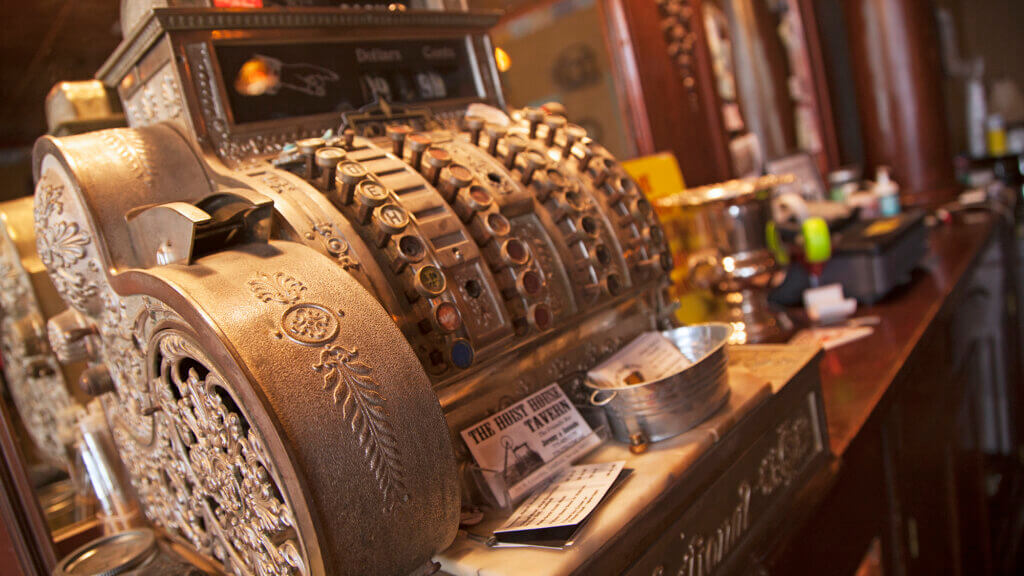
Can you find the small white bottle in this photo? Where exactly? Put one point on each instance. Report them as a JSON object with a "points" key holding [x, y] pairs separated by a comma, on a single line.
{"points": [[887, 192]]}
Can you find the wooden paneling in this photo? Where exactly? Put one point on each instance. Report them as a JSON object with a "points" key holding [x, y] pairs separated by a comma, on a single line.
{"points": [[894, 49], [684, 122]]}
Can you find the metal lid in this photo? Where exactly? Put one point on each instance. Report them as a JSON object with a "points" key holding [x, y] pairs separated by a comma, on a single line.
{"points": [[110, 555], [731, 190]]}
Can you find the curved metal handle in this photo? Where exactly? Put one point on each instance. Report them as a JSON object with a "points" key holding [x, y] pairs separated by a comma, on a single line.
{"points": [[595, 402]]}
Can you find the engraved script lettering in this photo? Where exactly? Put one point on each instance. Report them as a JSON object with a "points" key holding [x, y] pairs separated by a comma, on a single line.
{"points": [[704, 554]]}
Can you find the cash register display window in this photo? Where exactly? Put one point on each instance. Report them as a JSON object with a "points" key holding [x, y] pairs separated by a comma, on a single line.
{"points": [[275, 81]]}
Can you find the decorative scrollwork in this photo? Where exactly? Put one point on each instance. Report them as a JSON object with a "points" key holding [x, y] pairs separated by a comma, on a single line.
{"points": [[64, 244], [279, 288], [363, 405], [61, 244], [220, 471], [157, 101], [336, 246], [309, 324], [784, 460], [200, 470], [678, 17]]}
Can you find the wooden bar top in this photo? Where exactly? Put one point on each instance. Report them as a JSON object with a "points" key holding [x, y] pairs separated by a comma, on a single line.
{"points": [[856, 377]]}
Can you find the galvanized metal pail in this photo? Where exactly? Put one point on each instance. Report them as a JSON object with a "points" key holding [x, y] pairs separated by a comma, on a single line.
{"points": [[669, 406]]}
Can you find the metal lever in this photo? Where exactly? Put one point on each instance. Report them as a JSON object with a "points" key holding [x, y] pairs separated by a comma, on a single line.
{"points": [[179, 232]]}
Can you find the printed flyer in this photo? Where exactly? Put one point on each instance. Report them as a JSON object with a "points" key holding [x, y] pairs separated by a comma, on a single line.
{"points": [[527, 443]]}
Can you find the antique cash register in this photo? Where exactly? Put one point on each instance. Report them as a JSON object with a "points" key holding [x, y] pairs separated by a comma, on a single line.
{"points": [[305, 268]]}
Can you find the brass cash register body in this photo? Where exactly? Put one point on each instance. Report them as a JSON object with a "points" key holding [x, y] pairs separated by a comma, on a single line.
{"points": [[297, 321]]}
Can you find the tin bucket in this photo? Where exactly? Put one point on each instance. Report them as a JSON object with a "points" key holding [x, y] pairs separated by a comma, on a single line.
{"points": [[659, 409]]}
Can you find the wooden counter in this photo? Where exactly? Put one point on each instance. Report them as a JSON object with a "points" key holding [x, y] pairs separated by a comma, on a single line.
{"points": [[896, 403], [856, 377]]}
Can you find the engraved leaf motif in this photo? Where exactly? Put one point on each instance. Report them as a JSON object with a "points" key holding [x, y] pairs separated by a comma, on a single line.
{"points": [[277, 288], [363, 405]]}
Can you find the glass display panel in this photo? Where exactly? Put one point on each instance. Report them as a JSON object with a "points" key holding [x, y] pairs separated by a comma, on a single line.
{"points": [[271, 81]]}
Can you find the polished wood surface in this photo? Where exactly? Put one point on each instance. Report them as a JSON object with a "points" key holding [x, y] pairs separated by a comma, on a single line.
{"points": [[894, 50], [856, 377], [894, 403], [27, 531]]}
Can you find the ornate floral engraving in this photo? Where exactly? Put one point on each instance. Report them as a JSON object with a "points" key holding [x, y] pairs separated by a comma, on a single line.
{"points": [[352, 386], [61, 244], [220, 468], [279, 288], [309, 324], [363, 405], [336, 246], [786, 458], [157, 101], [64, 244], [199, 468]]}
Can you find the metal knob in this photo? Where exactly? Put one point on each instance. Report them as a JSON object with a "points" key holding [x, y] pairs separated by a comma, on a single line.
{"points": [[573, 134], [569, 203], [514, 145], [601, 169], [390, 219], [534, 116], [369, 194], [96, 381], [68, 333], [616, 191], [642, 206], [475, 125], [514, 252], [349, 174], [436, 160], [556, 108], [456, 178], [350, 138], [547, 182], [540, 316], [495, 132], [397, 134], [418, 144], [327, 160], [554, 124], [613, 284], [534, 160], [307, 149], [471, 201], [309, 146], [584, 160], [410, 249]]}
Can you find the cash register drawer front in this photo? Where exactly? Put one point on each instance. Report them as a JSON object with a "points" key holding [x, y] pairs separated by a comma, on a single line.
{"points": [[716, 529]]}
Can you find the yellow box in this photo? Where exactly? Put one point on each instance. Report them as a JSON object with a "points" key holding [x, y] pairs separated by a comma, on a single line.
{"points": [[657, 175]]}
